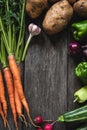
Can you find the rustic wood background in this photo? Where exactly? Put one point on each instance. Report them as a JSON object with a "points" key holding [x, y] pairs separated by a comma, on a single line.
{"points": [[49, 79]]}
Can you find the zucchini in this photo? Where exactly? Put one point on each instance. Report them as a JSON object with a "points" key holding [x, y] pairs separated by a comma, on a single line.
{"points": [[82, 128], [79, 114]]}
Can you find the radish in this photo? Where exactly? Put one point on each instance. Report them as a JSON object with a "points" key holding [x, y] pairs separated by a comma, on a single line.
{"points": [[49, 126]]}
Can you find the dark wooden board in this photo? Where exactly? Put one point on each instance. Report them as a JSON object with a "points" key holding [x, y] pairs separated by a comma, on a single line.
{"points": [[49, 81]]}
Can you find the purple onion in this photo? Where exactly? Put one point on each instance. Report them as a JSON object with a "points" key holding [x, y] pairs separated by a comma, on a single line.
{"points": [[74, 48]]}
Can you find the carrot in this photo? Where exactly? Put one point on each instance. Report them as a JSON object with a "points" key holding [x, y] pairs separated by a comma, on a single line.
{"points": [[10, 88], [18, 101], [15, 71], [2, 115], [2, 94], [19, 106]]}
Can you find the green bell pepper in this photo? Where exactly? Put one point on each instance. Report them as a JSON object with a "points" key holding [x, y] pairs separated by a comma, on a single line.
{"points": [[79, 30], [81, 72]]}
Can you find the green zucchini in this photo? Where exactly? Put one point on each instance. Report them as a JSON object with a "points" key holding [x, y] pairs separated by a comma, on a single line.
{"points": [[82, 128], [79, 114]]}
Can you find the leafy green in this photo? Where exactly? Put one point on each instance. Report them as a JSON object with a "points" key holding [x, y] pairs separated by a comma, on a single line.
{"points": [[12, 26]]}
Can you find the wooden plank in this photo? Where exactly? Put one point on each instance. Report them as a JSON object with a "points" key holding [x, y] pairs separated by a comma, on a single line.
{"points": [[46, 76]]}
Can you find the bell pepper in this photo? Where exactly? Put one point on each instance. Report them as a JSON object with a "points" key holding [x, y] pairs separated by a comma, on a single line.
{"points": [[81, 72], [79, 30], [81, 95]]}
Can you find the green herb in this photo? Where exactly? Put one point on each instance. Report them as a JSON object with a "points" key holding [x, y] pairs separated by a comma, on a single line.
{"points": [[12, 26]]}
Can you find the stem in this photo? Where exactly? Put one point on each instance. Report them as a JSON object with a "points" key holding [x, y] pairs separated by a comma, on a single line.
{"points": [[8, 125], [20, 43], [61, 119], [21, 27], [13, 39], [3, 54], [5, 37], [23, 119], [19, 52], [53, 122], [26, 47], [75, 100], [9, 26], [48, 120], [31, 121]]}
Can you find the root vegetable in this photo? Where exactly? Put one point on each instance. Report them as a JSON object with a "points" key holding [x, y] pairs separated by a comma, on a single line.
{"points": [[35, 7], [2, 95], [2, 115], [57, 17], [10, 88], [80, 7], [16, 75]]}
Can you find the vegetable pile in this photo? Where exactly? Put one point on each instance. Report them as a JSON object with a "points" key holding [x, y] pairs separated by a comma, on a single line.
{"points": [[12, 53], [13, 50]]}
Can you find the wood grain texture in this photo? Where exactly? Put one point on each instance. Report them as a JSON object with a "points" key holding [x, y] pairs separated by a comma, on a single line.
{"points": [[46, 76]]}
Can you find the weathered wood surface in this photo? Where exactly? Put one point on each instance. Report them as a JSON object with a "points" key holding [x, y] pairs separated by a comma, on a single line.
{"points": [[49, 77], [49, 80]]}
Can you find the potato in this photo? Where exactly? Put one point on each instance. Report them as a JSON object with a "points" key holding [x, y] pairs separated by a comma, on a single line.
{"points": [[80, 7], [72, 1], [57, 17], [35, 7]]}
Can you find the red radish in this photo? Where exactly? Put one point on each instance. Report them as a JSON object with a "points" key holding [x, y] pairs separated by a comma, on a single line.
{"points": [[48, 127], [38, 119]]}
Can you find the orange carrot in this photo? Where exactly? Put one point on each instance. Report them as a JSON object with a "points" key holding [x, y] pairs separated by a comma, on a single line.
{"points": [[2, 115], [15, 71], [19, 106], [2, 94], [17, 102], [10, 88]]}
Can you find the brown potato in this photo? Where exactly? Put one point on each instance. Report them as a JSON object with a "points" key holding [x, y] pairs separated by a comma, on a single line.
{"points": [[80, 7], [57, 17], [35, 7], [72, 1]]}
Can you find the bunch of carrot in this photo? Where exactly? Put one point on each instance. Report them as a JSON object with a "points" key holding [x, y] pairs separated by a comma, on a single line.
{"points": [[12, 30]]}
